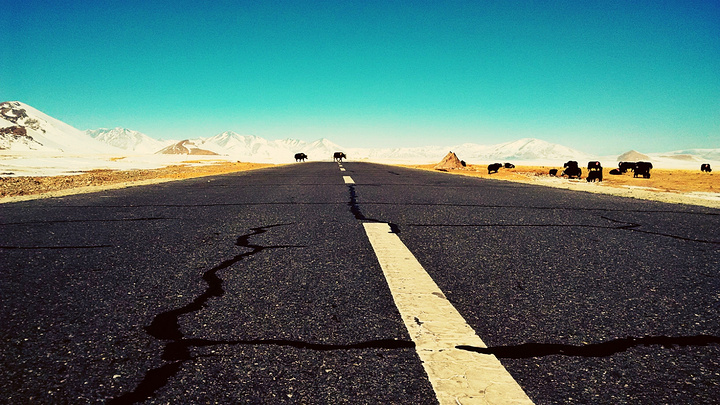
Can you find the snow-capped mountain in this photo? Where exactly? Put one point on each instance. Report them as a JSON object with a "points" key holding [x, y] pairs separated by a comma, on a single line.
{"points": [[322, 149], [128, 139], [23, 128], [522, 149], [230, 141]]}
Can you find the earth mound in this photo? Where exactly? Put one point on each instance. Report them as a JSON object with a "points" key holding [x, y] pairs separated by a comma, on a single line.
{"points": [[186, 147], [450, 161], [633, 156]]}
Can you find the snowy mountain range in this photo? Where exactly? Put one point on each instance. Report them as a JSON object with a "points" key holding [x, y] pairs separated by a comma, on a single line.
{"points": [[128, 140], [23, 128]]}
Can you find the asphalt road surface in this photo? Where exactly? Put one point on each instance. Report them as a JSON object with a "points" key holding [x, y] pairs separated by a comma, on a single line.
{"points": [[262, 287]]}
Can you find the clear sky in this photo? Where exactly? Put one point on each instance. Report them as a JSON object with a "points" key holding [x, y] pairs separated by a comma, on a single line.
{"points": [[599, 76]]}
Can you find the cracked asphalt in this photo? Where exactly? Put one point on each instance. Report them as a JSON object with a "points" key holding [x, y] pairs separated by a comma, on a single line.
{"points": [[261, 287]]}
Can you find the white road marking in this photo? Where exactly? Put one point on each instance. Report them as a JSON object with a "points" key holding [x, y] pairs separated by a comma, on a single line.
{"points": [[436, 327], [342, 169], [348, 180]]}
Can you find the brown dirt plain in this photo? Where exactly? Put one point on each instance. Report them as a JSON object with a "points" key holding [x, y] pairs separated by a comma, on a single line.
{"points": [[28, 188]]}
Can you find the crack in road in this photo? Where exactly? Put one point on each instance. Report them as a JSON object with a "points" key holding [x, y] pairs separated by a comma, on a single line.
{"points": [[353, 204], [604, 349], [55, 247], [165, 326], [179, 352], [627, 226], [467, 205], [531, 207], [65, 221], [357, 213], [631, 226]]}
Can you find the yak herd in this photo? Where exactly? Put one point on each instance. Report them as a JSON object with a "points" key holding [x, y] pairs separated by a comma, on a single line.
{"points": [[571, 168]]}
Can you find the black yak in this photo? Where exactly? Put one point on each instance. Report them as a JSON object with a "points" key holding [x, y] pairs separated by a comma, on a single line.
{"points": [[643, 169], [594, 171], [572, 169], [494, 167], [625, 166]]}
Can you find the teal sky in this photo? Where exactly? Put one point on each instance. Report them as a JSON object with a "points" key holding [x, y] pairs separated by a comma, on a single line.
{"points": [[602, 77]]}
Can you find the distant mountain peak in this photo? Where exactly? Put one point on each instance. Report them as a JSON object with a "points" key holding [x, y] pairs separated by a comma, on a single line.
{"points": [[127, 139], [23, 127]]}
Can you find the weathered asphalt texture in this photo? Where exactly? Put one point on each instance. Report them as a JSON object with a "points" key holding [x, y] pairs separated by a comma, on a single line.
{"points": [[261, 287]]}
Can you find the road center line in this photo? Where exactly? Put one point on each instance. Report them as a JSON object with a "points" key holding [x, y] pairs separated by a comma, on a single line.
{"points": [[342, 169], [348, 180], [436, 327]]}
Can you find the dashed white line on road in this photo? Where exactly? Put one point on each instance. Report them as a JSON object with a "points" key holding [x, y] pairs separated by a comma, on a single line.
{"points": [[436, 327], [348, 180], [342, 169]]}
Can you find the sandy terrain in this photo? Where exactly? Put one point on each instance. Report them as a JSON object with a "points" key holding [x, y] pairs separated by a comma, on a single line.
{"points": [[28, 188], [667, 185]]}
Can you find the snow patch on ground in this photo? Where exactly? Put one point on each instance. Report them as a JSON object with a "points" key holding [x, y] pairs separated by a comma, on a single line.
{"points": [[57, 164]]}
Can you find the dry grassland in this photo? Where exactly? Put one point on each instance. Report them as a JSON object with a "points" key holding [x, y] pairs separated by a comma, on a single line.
{"points": [[660, 179]]}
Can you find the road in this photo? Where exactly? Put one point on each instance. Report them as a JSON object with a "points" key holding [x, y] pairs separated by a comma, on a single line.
{"points": [[264, 287]]}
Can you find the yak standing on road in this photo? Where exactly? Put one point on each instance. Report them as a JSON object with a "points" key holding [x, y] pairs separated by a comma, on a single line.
{"points": [[339, 156], [300, 157]]}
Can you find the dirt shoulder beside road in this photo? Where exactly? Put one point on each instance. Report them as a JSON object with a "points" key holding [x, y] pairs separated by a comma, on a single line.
{"points": [[29, 188], [666, 185]]}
